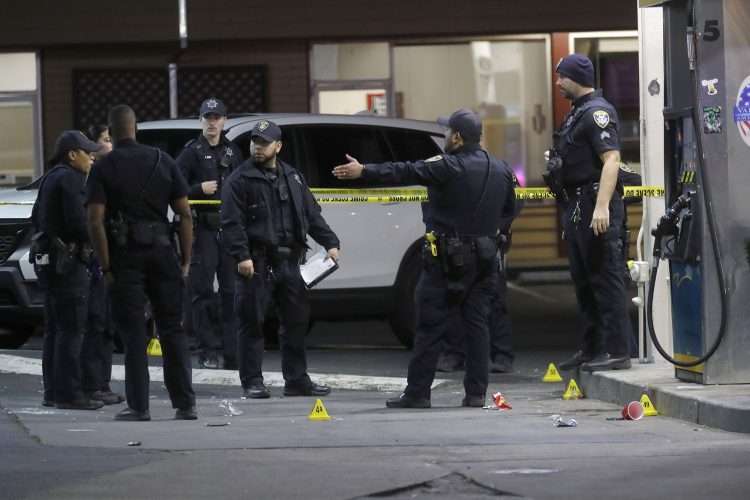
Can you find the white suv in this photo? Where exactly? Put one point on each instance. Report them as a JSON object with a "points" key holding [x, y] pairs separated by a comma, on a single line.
{"points": [[380, 241]]}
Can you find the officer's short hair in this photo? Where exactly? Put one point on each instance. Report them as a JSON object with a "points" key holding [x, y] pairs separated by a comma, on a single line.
{"points": [[121, 119]]}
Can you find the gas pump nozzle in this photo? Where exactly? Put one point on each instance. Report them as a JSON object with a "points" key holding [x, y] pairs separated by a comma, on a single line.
{"points": [[668, 224]]}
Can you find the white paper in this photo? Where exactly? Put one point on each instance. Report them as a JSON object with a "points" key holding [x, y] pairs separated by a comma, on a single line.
{"points": [[318, 265]]}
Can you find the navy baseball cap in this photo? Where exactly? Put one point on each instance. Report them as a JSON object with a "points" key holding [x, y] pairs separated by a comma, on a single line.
{"points": [[213, 106], [266, 130], [578, 68], [72, 140], [465, 122]]}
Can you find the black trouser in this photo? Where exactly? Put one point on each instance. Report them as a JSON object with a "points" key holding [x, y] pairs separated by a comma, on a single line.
{"points": [[96, 352], [152, 272], [500, 330], [437, 310], [282, 289], [597, 269], [215, 330], [65, 309]]}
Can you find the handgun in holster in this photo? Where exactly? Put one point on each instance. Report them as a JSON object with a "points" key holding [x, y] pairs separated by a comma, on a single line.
{"points": [[63, 255], [553, 176]]}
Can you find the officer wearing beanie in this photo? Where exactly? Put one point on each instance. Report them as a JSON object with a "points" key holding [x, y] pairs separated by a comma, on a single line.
{"points": [[470, 192], [205, 163], [587, 160]]}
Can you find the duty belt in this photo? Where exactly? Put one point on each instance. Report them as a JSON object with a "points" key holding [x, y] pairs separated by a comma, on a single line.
{"points": [[578, 191], [276, 254]]}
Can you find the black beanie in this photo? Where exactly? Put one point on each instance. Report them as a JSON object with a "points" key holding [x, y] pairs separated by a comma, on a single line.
{"points": [[578, 68]]}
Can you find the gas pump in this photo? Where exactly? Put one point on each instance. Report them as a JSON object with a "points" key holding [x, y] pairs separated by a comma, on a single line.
{"points": [[703, 234]]}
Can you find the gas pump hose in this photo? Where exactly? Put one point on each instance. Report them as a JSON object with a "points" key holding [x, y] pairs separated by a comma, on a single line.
{"points": [[708, 204]]}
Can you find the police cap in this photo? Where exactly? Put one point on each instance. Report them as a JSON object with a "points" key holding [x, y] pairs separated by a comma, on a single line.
{"points": [[72, 140], [213, 106], [465, 122], [266, 130]]}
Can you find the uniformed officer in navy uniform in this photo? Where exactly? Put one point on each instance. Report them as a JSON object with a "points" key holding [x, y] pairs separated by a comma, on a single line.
{"points": [[60, 253], [585, 163], [469, 191], [205, 163], [453, 357], [134, 186], [267, 213]]}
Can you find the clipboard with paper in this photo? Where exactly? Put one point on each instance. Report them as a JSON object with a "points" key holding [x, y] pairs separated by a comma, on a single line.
{"points": [[317, 268]]}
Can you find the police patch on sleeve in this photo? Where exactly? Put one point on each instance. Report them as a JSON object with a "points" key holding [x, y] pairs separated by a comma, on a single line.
{"points": [[434, 158], [601, 118]]}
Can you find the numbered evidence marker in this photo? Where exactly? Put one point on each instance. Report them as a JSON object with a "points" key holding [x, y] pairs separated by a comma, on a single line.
{"points": [[573, 391], [154, 348], [318, 412], [649, 410], [552, 374]]}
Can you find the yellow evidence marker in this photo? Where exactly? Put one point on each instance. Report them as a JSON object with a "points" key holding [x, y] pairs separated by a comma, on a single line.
{"points": [[573, 391], [319, 412], [552, 374], [649, 410]]}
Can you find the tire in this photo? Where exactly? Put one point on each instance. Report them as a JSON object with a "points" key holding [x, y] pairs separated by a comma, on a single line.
{"points": [[13, 337], [403, 318]]}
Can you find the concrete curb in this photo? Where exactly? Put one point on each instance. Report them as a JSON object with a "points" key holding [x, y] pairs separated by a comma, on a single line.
{"points": [[724, 407]]}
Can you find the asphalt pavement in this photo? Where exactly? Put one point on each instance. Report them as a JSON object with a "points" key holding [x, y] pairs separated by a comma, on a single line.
{"points": [[270, 449]]}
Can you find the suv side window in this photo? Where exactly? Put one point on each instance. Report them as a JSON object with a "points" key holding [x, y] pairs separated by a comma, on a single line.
{"points": [[327, 146], [411, 145]]}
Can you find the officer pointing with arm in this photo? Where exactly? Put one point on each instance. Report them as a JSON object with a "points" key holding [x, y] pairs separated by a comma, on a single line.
{"points": [[133, 186], [205, 163], [469, 191], [584, 170], [267, 213]]}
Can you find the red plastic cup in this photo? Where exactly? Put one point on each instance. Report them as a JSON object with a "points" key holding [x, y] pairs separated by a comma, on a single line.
{"points": [[633, 411]]}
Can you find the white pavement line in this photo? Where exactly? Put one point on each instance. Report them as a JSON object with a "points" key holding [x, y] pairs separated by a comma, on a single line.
{"points": [[536, 295], [29, 366]]}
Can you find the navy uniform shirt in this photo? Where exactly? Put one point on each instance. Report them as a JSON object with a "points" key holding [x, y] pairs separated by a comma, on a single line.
{"points": [[129, 180], [200, 162], [589, 130], [59, 209], [455, 183]]}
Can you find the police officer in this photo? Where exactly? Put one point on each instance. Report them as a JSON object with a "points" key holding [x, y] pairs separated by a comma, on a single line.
{"points": [[98, 343], [60, 253], [469, 191], [586, 162], [500, 326], [134, 186], [205, 163], [267, 213]]}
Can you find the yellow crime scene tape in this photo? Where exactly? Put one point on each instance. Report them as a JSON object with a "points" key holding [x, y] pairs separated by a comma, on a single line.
{"points": [[416, 195]]}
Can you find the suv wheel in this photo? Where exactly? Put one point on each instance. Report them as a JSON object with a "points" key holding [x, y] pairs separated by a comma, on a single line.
{"points": [[403, 319], [13, 337]]}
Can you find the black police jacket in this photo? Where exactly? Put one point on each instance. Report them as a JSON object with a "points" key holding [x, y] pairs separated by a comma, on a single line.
{"points": [[455, 184], [589, 129], [199, 162], [59, 208], [246, 211]]}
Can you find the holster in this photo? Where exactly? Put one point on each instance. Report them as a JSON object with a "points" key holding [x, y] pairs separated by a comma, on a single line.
{"points": [[486, 248], [63, 255], [553, 177]]}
